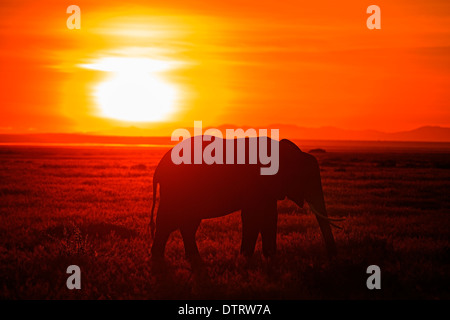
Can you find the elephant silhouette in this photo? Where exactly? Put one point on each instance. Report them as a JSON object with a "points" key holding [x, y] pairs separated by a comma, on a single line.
{"points": [[192, 192]]}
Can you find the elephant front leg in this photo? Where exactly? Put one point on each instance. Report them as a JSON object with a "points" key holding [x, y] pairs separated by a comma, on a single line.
{"points": [[250, 231], [268, 224]]}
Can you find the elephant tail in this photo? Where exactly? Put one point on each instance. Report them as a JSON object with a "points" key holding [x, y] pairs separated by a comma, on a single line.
{"points": [[155, 189]]}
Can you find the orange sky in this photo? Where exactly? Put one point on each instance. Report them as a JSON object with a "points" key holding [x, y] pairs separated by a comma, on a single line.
{"points": [[250, 63]]}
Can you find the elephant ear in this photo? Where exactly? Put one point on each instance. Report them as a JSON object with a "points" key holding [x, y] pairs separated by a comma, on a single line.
{"points": [[289, 163]]}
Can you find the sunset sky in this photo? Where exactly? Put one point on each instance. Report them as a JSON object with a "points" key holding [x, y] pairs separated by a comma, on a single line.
{"points": [[164, 64]]}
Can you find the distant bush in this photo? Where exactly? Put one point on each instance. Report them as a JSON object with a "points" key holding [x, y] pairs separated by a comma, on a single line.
{"points": [[139, 166], [386, 163], [317, 150]]}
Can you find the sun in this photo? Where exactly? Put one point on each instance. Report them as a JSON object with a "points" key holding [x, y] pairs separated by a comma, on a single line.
{"points": [[135, 96], [134, 89]]}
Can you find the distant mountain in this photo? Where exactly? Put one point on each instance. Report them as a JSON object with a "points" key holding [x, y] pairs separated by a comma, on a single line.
{"points": [[148, 136], [427, 133], [422, 134]]}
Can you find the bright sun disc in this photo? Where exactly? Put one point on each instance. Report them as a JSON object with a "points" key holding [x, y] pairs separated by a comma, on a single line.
{"points": [[135, 90]]}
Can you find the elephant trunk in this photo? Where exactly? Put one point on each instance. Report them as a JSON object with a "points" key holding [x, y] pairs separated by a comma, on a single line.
{"points": [[317, 205]]}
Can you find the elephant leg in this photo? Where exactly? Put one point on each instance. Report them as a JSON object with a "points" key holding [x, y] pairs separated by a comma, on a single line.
{"points": [[327, 236], [163, 230], [250, 231], [269, 229], [188, 231]]}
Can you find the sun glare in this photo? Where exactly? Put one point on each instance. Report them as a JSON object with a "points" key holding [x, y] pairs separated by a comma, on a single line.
{"points": [[135, 89]]}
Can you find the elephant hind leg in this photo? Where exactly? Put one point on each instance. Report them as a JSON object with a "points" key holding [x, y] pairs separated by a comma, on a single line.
{"points": [[163, 230], [188, 231]]}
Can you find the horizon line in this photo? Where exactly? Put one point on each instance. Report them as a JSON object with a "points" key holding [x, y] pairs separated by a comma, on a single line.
{"points": [[428, 133]]}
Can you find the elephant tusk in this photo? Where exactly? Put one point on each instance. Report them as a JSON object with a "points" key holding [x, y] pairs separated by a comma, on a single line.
{"points": [[330, 220], [335, 225]]}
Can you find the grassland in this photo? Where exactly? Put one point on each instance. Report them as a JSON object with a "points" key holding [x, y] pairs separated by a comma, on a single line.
{"points": [[90, 206]]}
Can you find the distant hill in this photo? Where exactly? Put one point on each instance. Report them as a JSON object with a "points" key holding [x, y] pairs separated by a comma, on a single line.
{"points": [[146, 136], [422, 134], [428, 133]]}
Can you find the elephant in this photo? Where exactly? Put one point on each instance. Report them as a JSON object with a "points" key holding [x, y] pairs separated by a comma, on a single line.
{"points": [[190, 193]]}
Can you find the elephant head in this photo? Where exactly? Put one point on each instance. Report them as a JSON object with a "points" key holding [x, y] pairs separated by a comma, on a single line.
{"points": [[301, 181]]}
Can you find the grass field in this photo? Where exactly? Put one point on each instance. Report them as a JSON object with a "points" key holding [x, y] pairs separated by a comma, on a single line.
{"points": [[90, 206]]}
